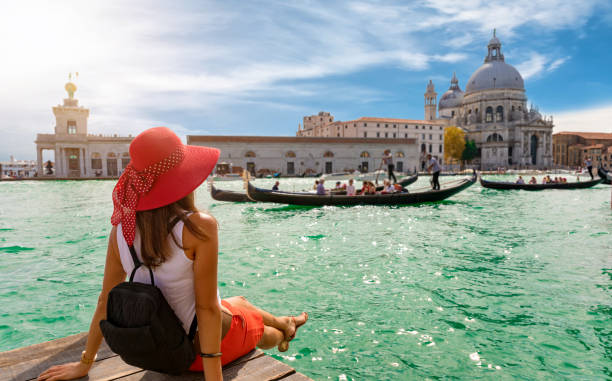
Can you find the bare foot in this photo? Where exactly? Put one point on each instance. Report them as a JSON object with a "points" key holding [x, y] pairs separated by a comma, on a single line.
{"points": [[293, 323]]}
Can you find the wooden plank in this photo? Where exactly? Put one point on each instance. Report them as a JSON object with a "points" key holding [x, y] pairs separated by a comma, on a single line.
{"points": [[295, 377], [28, 362], [261, 368], [191, 376]]}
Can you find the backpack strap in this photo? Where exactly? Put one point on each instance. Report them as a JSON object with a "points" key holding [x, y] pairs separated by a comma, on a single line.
{"points": [[193, 328], [137, 264]]}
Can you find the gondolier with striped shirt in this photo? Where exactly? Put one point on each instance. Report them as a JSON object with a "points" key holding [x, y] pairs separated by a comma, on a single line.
{"points": [[388, 160], [434, 168]]}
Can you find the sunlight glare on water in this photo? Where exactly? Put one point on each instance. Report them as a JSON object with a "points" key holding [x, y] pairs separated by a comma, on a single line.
{"points": [[487, 284]]}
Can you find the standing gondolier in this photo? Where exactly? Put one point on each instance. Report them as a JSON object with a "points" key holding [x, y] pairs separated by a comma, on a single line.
{"points": [[434, 168], [589, 166], [388, 160]]}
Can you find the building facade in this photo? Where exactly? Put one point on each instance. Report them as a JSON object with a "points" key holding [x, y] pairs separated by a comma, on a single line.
{"points": [[570, 149], [15, 169], [78, 153], [493, 111], [294, 156]]}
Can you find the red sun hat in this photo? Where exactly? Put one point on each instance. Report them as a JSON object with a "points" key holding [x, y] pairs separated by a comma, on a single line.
{"points": [[162, 170]]}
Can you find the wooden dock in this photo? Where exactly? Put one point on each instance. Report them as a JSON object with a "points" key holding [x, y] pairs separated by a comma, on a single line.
{"points": [[27, 363]]}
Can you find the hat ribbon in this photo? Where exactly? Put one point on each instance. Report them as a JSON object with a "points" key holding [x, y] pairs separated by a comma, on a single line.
{"points": [[132, 185]]}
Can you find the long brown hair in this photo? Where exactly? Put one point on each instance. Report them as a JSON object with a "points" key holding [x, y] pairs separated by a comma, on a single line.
{"points": [[155, 225]]}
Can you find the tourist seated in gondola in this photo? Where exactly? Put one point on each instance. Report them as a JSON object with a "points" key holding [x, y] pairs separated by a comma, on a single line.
{"points": [[275, 187], [520, 180], [387, 188], [316, 185], [399, 188], [339, 187], [350, 189], [368, 188], [533, 180], [321, 188]]}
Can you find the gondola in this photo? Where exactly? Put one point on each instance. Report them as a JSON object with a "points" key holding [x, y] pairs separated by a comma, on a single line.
{"points": [[402, 198], [535, 187], [225, 195], [403, 182], [605, 174], [233, 196]]}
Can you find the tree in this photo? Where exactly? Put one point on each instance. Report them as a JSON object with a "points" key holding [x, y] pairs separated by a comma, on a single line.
{"points": [[470, 151], [454, 143]]}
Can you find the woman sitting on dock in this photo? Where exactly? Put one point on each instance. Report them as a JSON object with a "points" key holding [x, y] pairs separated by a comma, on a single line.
{"points": [[155, 220]]}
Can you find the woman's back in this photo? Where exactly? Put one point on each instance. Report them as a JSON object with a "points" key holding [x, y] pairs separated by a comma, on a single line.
{"points": [[174, 277]]}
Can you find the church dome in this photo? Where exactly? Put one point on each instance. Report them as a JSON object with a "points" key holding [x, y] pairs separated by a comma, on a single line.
{"points": [[495, 73], [452, 97]]}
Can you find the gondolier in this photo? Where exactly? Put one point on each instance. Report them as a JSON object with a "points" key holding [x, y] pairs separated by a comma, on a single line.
{"points": [[589, 166], [434, 168], [388, 160]]}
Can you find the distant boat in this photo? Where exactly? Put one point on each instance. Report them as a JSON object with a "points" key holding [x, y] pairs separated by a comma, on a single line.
{"points": [[340, 176], [535, 187]]}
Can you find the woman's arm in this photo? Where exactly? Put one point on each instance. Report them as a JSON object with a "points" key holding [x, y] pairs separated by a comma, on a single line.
{"points": [[113, 275], [208, 309]]}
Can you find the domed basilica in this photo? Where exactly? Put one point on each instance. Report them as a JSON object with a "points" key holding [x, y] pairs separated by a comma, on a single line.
{"points": [[493, 112]]}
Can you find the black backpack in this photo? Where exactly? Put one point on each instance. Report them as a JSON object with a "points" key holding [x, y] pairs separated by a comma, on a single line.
{"points": [[142, 328]]}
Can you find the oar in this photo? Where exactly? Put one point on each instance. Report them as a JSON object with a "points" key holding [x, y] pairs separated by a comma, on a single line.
{"points": [[378, 171]]}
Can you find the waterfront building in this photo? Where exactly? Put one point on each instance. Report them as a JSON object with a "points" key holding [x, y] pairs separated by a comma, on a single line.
{"points": [[493, 111], [77, 152], [570, 149], [18, 168], [428, 135], [294, 156]]}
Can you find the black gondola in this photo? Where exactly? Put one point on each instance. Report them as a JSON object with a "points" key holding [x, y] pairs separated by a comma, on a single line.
{"points": [[605, 174], [233, 196], [536, 187], [401, 198], [225, 195]]}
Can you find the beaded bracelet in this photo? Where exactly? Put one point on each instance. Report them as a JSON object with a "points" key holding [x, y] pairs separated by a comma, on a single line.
{"points": [[208, 355]]}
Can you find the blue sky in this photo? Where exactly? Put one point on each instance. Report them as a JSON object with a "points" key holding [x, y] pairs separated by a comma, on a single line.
{"points": [[257, 67]]}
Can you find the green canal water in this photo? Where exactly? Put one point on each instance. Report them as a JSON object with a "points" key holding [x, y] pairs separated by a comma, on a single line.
{"points": [[486, 285]]}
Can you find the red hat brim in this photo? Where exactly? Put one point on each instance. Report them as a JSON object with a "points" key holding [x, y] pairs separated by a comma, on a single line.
{"points": [[182, 179]]}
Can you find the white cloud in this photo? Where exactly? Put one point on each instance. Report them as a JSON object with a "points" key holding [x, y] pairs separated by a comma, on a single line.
{"points": [[537, 64], [147, 63], [595, 119], [556, 63]]}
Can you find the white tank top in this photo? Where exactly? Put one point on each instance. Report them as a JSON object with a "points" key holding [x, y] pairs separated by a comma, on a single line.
{"points": [[174, 277]]}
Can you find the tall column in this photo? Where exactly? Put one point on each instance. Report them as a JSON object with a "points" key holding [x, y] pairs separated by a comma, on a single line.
{"points": [[39, 164], [82, 154]]}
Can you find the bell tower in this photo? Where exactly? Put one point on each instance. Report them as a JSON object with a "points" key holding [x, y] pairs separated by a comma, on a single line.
{"points": [[70, 118], [430, 102]]}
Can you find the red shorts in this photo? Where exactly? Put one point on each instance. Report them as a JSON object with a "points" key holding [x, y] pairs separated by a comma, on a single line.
{"points": [[245, 332]]}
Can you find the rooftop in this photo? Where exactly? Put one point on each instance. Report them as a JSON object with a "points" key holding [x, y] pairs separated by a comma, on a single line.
{"points": [[588, 135], [191, 139]]}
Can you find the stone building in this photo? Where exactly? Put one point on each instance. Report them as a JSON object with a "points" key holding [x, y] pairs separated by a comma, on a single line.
{"points": [[493, 111], [292, 156], [570, 149], [428, 135], [78, 153], [18, 168]]}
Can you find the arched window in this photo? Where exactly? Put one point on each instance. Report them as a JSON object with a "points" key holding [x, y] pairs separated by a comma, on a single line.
{"points": [[365, 154], [290, 154], [423, 148], [96, 161], [111, 154], [249, 154], [328, 154], [499, 114], [125, 154], [125, 159], [495, 138], [399, 154], [489, 115]]}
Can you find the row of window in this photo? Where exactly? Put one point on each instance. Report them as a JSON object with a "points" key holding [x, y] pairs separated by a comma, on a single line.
{"points": [[395, 126], [429, 149], [326, 154]]}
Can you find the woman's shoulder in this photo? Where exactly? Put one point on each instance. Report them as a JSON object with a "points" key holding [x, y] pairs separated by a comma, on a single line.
{"points": [[203, 220]]}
